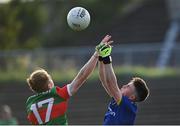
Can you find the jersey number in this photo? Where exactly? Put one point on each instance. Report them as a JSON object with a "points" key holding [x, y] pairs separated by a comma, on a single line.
{"points": [[34, 108]]}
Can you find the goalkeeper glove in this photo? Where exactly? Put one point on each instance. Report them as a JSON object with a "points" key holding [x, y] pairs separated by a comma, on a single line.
{"points": [[100, 46], [104, 53], [104, 50]]}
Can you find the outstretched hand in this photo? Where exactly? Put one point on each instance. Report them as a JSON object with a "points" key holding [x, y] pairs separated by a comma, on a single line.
{"points": [[104, 49], [106, 40]]}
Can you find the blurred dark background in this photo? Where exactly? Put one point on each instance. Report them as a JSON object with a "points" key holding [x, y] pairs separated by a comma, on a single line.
{"points": [[34, 33], [42, 23]]}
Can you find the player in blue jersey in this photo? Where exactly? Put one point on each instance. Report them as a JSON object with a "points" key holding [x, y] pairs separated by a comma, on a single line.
{"points": [[122, 107]]}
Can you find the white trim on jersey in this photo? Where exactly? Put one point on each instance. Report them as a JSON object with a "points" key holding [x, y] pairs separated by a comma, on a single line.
{"points": [[68, 90]]}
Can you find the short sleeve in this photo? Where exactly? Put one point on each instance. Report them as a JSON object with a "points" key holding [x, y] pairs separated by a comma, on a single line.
{"points": [[63, 92]]}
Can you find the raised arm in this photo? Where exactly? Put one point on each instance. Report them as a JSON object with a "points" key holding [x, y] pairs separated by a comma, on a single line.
{"points": [[112, 82], [102, 78], [83, 74], [106, 72]]}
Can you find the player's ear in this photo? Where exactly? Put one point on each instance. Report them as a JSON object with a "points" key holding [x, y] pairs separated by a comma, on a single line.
{"points": [[132, 97], [50, 85]]}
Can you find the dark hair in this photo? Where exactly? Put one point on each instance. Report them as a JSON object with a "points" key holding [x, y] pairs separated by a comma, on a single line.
{"points": [[39, 80], [142, 91]]}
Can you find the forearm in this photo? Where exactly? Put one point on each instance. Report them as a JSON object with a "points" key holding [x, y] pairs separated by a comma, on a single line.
{"points": [[112, 82], [84, 73], [103, 78], [87, 69]]}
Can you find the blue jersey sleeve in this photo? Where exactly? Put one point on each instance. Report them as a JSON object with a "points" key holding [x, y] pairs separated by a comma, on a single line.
{"points": [[121, 114]]}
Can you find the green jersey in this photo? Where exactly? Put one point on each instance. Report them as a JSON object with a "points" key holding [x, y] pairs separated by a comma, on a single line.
{"points": [[48, 107]]}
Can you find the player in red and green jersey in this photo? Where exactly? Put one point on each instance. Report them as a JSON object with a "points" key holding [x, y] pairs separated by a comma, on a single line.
{"points": [[122, 107], [49, 104], [48, 107]]}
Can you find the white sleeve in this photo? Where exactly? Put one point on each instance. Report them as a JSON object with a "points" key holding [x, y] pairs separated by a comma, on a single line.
{"points": [[69, 89]]}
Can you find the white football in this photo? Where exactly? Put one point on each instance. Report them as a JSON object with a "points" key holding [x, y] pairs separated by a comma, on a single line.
{"points": [[78, 18]]}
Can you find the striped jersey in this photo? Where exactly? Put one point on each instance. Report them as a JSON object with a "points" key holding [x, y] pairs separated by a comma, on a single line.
{"points": [[48, 107]]}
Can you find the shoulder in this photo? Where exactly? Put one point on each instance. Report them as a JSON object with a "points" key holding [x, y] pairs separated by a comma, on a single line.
{"points": [[126, 100], [62, 91], [29, 99]]}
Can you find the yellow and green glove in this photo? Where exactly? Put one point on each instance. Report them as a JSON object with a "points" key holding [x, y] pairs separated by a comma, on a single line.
{"points": [[104, 53]]}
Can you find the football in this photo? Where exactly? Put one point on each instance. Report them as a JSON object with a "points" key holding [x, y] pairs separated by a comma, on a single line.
{"points": [[78, 18]]}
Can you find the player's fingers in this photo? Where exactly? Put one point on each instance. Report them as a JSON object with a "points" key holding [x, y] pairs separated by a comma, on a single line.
{"points": [[109, 45], [106, 39], [109, 42]]}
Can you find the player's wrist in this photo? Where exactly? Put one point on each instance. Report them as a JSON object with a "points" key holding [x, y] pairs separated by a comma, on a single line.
{"points": [[100, 58], [105, 60], [95, 55]]}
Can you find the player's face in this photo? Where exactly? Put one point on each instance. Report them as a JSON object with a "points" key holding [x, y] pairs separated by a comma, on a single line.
{"points": [[128, 90]]}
